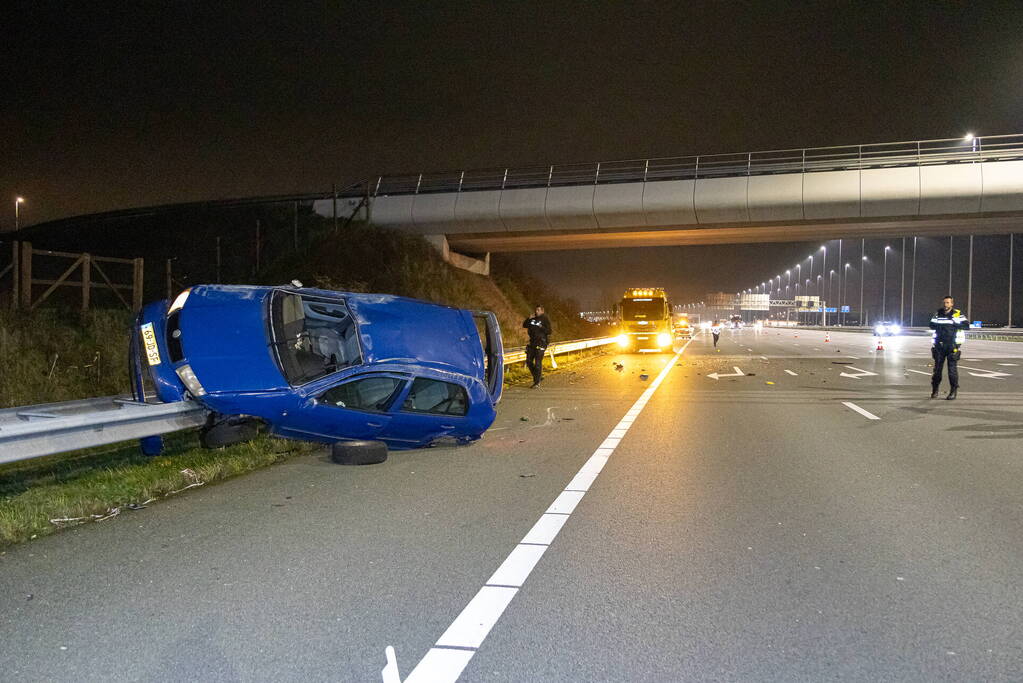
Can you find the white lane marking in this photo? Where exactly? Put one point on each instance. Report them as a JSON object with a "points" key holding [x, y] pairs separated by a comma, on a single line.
{"points": [[471, 627], [738, 373], [517, 566], [444, 665], [546, 529], [919, 372], [437, 665], [792, 373], [853, 357], [861, 411], [1009, 365], [863, 373], [764, 357]]}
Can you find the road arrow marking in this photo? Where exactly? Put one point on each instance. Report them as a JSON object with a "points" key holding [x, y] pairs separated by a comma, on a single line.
{"points": [[737, 373], [863, 373], [983, 372], [389, 673]]}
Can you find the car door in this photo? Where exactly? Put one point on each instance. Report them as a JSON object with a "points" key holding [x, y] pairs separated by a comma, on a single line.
{"points": [[432, 408], [355, 408]]}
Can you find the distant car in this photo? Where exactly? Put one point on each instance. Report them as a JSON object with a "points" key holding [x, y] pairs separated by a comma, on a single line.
{"points": [[887, 329], [683, 331], [318, 365]]}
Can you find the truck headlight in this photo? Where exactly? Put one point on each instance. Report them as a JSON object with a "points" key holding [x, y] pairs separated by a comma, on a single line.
{"points": [[190, 381], [879, 329], [663, 339], [179, 302], [623, 340], [896, 329]]}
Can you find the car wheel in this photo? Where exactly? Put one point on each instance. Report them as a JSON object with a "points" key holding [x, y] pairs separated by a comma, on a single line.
{"points": [[358, 452], [228, 433]]}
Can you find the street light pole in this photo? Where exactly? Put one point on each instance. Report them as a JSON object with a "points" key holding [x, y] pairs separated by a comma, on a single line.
{"points": [[1011, 240], [902, 286], [969, 283], [912, 285], [18, 201], [863, 271], [884, 285], [845, 283]]}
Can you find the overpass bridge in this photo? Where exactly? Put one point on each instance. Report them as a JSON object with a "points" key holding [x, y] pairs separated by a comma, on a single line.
{"points": [[927, 187]]}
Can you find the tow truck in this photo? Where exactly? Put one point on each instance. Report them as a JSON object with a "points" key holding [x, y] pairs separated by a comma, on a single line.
{"points": [[361, 372], [644, 320]]}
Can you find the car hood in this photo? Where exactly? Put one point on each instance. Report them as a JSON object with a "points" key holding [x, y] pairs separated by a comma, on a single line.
{"points": [[399, 329], [224, 339]]}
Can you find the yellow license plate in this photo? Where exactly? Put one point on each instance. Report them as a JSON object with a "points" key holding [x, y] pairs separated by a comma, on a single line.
{"points": [[149, 341]]}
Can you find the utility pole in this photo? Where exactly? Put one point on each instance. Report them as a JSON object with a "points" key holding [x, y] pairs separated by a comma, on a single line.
{"points": [[1011, 240], [863, 272]]}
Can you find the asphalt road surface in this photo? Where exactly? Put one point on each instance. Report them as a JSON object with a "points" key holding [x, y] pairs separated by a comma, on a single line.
{"points": [[783, 509]]}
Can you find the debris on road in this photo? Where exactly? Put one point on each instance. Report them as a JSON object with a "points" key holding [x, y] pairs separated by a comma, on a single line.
{"points": [[644, 377], [523, 419], [526, 476]]}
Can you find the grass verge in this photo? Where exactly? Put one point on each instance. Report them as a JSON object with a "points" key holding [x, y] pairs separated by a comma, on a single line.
{"points": [[39, 497]]}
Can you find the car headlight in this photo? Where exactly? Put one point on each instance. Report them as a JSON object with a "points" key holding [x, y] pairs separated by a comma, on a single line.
{"points": [[663, 339], [623, 340], [879, 329], [190, 381], [179, 302], [895, 329]]}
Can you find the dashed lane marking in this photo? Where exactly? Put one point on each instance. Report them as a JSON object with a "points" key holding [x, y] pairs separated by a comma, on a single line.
{"points": [[792, 373], [852, 406], [446, 660], [919, 372]]}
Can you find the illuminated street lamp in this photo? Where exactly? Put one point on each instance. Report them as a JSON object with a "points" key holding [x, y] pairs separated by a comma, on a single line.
{"points": [[18, 201]]}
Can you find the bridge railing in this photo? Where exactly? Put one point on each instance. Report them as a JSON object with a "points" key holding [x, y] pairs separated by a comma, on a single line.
{"points": [[806, 160]]}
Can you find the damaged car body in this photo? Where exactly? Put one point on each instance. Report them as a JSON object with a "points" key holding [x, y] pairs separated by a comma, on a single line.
{"points": [[319, 365]]}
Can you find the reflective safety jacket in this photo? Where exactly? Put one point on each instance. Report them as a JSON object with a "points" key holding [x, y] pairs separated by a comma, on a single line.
{"points": [[949, 327], [716, 329]]}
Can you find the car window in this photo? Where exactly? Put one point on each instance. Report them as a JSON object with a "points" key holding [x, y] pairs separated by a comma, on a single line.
{"points": [[369, 393], [434, 396]]}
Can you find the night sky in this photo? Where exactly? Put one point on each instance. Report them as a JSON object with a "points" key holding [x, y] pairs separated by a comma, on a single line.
{"points": [[111, 108]]}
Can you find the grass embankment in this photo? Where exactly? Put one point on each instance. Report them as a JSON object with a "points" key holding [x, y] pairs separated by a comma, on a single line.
{"points": [[53, 355]]}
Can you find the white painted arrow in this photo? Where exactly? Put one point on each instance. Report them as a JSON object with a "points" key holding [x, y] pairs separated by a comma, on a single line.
{"points": [[863, 373], [737, 373], [984, 372], [390, 673]]}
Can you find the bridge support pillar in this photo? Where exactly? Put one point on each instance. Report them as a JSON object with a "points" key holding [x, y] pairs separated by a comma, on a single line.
{"points": [[480, 266]]}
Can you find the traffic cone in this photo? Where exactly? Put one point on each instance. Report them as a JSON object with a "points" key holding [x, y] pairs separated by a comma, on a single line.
{"points": [[880, 344], [827, 337]]}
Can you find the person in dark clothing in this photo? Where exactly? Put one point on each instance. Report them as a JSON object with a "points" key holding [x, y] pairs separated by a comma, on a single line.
{"points": [[949, 325], [539, 328]]}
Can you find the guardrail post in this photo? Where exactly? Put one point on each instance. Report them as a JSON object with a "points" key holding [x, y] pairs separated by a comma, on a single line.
{"points": [[136, 283], [86, 281], [26, 276]]}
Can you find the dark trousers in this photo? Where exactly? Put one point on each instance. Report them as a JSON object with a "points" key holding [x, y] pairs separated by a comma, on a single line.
{"points": [[534, 361], [716, 335], [941, 354]]}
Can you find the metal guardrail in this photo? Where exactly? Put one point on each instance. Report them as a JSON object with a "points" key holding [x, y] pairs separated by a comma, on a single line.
{"points": [[518, 355], [34, 431], [807, 160]]}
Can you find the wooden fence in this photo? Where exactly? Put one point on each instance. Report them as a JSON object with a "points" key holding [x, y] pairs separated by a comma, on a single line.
{"points": [[24, 284]]}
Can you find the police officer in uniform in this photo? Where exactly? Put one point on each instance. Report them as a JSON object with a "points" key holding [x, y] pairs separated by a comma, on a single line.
{"points": [[539, 328], [949, 325]]}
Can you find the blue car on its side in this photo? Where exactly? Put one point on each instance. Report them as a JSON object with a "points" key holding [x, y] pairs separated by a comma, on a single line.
{"points": [[334, 367]]}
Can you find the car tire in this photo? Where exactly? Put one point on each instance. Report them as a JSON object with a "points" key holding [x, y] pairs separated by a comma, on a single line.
{"points": [[228, 433], [358, 452]]}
